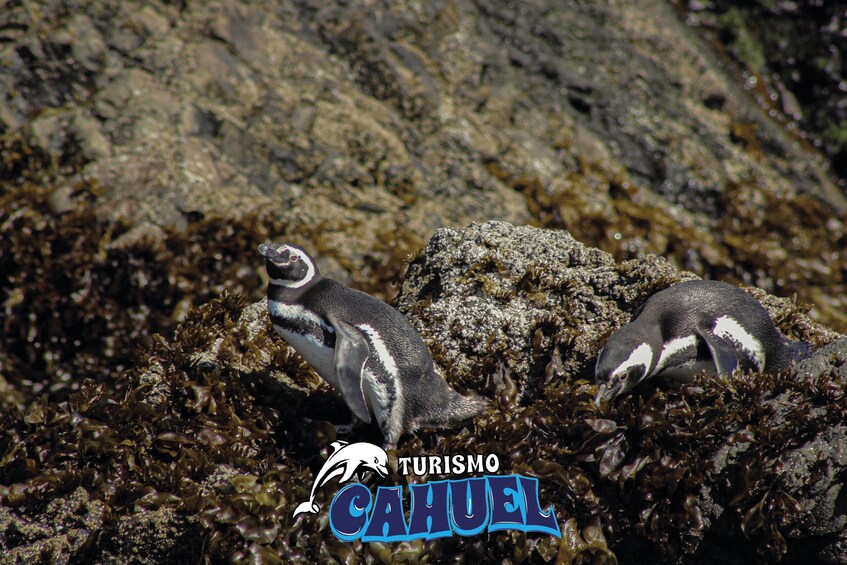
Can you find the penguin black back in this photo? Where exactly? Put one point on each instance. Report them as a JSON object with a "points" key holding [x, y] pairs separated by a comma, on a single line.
{"points": [[691, 326]]}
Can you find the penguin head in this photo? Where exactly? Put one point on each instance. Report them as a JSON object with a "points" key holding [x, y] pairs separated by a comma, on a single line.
{"points": [[288, 265], [622, 363]]}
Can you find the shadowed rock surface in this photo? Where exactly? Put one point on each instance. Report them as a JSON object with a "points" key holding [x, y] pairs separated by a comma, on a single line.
{"points": [[791, 54]]}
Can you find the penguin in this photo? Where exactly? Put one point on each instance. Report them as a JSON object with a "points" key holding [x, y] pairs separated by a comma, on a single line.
{"points": [[690, 327], [363, 347]]}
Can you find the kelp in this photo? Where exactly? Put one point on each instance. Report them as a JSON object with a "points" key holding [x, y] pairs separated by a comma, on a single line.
{"points": [[119, 407], [80, 294]]}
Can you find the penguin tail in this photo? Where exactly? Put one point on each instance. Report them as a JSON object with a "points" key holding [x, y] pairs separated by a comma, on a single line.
{"points": [[791, 353], [306, 507], [797, 351], [455, 409], [464, 407]]}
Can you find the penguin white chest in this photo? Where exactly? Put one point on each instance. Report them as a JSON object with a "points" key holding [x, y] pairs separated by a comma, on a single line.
{"points": [[307, 333], [316, 354]]}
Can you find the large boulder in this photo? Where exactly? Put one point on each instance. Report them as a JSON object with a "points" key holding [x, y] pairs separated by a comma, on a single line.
{"points": [[726, 470]]}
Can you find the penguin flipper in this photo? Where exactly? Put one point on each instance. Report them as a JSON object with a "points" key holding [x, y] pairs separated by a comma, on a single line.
{"points": [[351, 352], [723, 354]]}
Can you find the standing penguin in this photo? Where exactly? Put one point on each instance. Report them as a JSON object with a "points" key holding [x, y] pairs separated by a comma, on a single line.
{"points": [[690, 327], [362, 346]]}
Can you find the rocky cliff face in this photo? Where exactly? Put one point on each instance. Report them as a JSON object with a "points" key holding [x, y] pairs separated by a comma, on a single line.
{"points": [[366, 126], [148, 147]]}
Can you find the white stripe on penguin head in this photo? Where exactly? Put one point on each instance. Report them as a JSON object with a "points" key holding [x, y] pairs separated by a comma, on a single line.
{"points": [[641, 355], [310, 266], [670, 348]]}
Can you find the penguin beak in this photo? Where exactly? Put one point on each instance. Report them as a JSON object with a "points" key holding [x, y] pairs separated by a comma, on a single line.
{"points": [[601, 393], [265, 249], [605, 393]]}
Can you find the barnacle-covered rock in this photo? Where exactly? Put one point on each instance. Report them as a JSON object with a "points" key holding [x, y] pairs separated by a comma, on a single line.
{"points": [[729, 470], [537, 303], [61, 530]]}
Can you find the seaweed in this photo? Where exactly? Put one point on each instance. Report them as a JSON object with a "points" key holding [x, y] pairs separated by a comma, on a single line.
{"points": [[172, 411], [80, 294]]}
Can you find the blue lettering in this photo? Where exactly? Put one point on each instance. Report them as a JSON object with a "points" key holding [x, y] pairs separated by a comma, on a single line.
{"points": [[507, 510], [469, 505], [440, 508], [387, 521], [428, 517], [348, 512], [536, 519]]}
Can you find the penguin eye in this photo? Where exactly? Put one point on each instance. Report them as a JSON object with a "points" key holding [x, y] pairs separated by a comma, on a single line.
{"points": [[295, 258]]}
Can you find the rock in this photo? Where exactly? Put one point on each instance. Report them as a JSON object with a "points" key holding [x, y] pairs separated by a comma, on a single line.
{"points": [[93, 145], [495, 288], [150, 537], [831, 360], [58, 532], [360, 138], [518, 296], [501, 303], [8, 120], [47, 133], [216, 430], [151, 22], [87, 45], [416, 118]]}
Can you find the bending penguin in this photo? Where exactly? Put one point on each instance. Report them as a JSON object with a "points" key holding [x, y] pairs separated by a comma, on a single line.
{"points": [[690, 327], [361, 346]]}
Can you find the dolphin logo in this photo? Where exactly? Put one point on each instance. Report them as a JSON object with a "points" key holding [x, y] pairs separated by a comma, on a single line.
{"points": [[345, 460]]}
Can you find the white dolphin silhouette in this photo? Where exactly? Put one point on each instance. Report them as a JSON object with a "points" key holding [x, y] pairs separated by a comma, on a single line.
{"points": [[345, 460]]}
